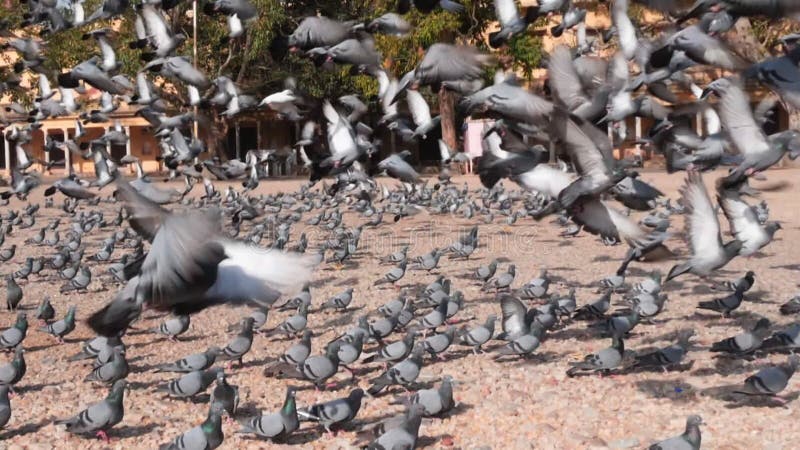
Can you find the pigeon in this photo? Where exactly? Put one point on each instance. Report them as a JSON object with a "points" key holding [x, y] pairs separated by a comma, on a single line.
{"points": [[277, 426], [99, 347], [746, 342], [746, 282], [703, 232], [744, 223], [13, 293], [191, 384], [689, 440], [603, 361], [335, 412], [100, 417], [297, 353], [618, 326], [791, 307], [5, 406], [63, 327], [403, 373], [396, 257], [221, 271], [484, 273], [295, 324], [395, 351], [207, 435], [502, 281], [479, 335], [225, 395], [173, 327], [110, 372], [537, 287], [394, 275], [667, 357], [770, 381], [435, 402], [404, 435], [12, 372], [724, 305], [193, 362], [596, 310], [523, 345], [437, 344], [45, 312], [320, 368], [787, 339], [340, 301], [239, 345]]}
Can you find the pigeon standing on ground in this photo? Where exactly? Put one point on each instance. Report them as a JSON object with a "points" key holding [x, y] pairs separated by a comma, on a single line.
{"points": [[45, 312], [11, 337], [13, 293], [101, 416], [193, 362], [225, 395], [277, 426], [116, 369], [403, 373], [192, 383], [335, 412], [5, 407], [770, 381], [689, 440], [403, 435], [63, 327], [12, 372], [239, 345], [724, 305], [746, 342], [207, 435], [173, 327], [604, 361]]}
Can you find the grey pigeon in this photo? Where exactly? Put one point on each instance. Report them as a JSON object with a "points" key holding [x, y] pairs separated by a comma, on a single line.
{"points": [[786, 339], [595, 310], [276, 426], [438, 343], [435, 402], [5, 406], [403, 373], [702, 229], [435, 318], [335, 412], [101, 416], [45, 312], [63, 327], [394, 351], [11, 337], [604, 361], [745, 283], [724, 305], [340, 301], [394, 275], [484, 273], [193, 362], [396, 257], [479, 335], [12, 372], [297, 353], [96, 346], [173, 327], [319, 368], [295, 324], [523, 345], [239, 345], [667, 357], [537, 287], [110, 372], [619, 326], [770, 381], [746, 342], [689, 440], [192, 383], [501, 281], [225, 395], [206, 436], [13, 293], [403, 436]]}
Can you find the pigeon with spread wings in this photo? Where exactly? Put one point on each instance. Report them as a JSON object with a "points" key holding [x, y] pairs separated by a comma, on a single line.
{"points": [[191, 267]]}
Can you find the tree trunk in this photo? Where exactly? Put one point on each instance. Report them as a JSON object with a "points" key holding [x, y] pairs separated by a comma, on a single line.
{"points": [[448, 118]]}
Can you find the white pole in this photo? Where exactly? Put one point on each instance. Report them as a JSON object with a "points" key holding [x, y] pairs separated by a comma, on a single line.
{"points": [[67, 155], [44, 147], [7, 152], [128, 142], [638, 135], [194, 57]]}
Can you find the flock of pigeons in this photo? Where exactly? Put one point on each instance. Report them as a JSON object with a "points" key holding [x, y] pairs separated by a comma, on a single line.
{"points": [[208, 251]]}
